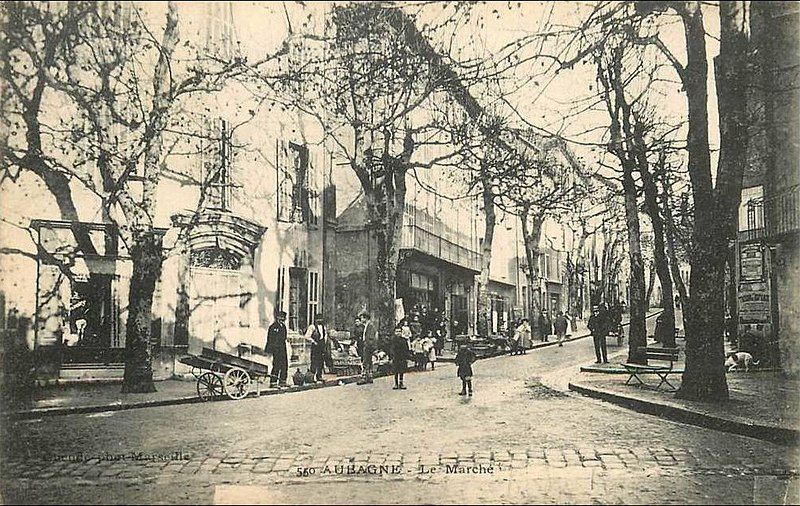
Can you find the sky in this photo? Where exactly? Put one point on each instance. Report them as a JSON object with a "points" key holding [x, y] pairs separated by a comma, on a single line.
{"points": [[540, 96]]}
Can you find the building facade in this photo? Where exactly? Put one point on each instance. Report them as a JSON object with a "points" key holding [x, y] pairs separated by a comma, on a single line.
{"points": [[767, 250], [439, 257], [242, 218]]}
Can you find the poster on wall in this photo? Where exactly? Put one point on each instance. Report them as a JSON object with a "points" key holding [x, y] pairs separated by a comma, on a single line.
{"points": [[754, 303], [751, 262], [399, 311]]}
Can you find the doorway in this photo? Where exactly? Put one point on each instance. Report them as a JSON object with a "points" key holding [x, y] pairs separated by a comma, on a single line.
{"points": [[91, 313]]}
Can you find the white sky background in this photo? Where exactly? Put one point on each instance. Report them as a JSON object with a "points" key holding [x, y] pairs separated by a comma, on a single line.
{"points": [[541, 96]]}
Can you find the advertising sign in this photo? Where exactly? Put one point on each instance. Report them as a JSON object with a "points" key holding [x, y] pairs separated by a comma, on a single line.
{"points": [[751, 262]]}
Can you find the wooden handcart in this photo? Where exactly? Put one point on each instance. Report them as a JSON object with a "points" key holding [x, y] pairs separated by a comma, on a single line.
{"points": [[219, 374]]}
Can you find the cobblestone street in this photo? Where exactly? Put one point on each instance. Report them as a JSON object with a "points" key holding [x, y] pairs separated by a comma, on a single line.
{"points": [[521, 438]]}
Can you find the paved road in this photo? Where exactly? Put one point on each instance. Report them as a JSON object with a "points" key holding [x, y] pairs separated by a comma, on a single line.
{"points": [[522, 438]]}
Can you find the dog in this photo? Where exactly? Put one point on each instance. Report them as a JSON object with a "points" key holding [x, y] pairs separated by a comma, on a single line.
{"points": [[736, 361]]}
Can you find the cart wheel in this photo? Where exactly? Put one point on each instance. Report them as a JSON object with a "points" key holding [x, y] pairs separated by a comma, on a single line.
{"points": [[237, 383], [209, 386]]}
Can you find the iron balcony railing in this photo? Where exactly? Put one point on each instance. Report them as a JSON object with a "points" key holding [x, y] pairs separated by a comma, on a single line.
{"points": [[782, 212], [427, 235], [755, 221]]}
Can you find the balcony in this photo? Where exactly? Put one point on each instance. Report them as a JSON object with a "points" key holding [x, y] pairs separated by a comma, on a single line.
{"points": [[782, 212], [426, 234], [755, 221]]}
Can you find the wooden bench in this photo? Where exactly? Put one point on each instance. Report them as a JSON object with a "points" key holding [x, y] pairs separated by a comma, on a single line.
{"points": [[667, 358]]}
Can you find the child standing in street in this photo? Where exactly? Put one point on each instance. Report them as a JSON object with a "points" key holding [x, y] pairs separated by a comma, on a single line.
{"points": [[464, 359], [400, 353]]}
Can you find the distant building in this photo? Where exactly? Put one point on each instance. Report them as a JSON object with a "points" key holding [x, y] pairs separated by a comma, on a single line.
{"points": [[439, 256]]}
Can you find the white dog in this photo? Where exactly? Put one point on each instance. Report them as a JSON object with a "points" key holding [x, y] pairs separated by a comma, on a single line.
{"points": [[738, 360]]}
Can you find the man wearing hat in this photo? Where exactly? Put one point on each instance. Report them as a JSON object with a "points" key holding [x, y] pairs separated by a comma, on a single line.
{"points": [[318, 336], [369, 338], [598, 326], [276, 345]]}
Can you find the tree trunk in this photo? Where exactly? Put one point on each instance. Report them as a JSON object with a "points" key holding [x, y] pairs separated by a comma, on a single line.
{"points": [[674, 265], [651, 281], [659, 254], [386, 205], [637, 332], [704, 376], [484, 306], [531, 235], [147, 260]]}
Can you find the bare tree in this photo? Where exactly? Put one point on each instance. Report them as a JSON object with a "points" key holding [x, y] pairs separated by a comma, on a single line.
{"points": [[381, 95], [715, 206], [125, 86]]}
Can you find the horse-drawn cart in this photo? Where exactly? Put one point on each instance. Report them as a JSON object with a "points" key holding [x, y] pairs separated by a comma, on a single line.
{"points": [[221, 374]]}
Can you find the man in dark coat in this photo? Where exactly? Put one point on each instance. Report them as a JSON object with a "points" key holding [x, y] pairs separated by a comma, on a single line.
{"points": [[599, 324], [276, 345], [318, 336], [560, 327], [544, 325], [369, 338]]}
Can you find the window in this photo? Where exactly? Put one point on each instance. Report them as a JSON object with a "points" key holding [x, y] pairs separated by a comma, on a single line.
{"points": [[220, 31], [313, 193], [545, 264], [313, 295], [292, 182], [216, 162], [298, 299]]}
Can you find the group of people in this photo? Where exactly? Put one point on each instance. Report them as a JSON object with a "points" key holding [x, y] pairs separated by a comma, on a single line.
{"points": [[521, 337], [411, 339], [408, 336], [316, 333]]}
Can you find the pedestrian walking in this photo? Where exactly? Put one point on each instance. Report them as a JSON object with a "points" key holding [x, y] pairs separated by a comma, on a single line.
{"points": [[545, 325], [464, 360], [560, 326], [598, 325], [400, 352], [276, 346], [369, 340], [431, 346], [524, 336], [570, 320], [318, 336]]}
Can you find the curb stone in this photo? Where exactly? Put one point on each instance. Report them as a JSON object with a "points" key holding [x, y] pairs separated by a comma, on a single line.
{"points": [[99, 408], [771, 433]]}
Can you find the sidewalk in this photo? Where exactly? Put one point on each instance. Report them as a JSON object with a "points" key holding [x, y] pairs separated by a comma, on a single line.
{"points": [[581, 331], [763, 404], [101, 397]]}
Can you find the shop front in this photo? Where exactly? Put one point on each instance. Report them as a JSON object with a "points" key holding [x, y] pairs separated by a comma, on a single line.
{"points": [[82, 283], [425, 282], [553, 298], [501, 306]]}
